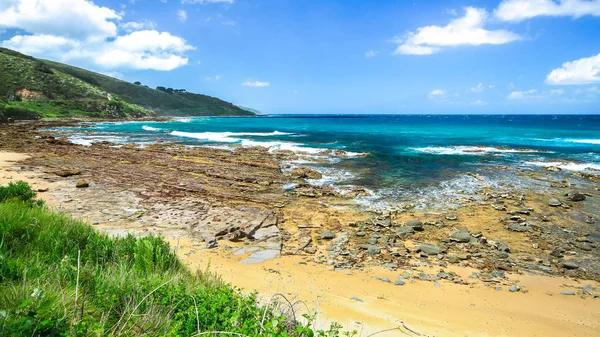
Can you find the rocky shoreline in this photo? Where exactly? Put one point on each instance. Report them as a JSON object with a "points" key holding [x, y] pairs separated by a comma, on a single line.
{"points": [[215, 196]]}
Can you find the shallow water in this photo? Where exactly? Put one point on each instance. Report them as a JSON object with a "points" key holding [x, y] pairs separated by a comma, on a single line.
{"points": [[407, 153]]}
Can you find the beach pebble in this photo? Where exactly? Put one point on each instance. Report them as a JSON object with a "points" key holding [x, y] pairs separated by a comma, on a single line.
{"points": [[575, 196], [354, 298], [568, 292], [326, 235], [383, 279], [460, 235], [429, 249], [415, 224], [554, 202], [82, 183], [570, 265], [514, 288]]}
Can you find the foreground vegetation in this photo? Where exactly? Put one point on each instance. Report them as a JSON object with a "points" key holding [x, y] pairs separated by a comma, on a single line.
{"points": [[32, 88], [60, 277]]}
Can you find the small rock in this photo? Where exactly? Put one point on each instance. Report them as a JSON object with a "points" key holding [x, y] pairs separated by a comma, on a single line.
{"points": [[354, 298], [424, 277], [568, 292], [575, 196], [514, 288], [373, 250], [305, 172], [81, 183], [415, 224], [452, 258], [399, 283], [451, 217], [460, 235], [67, 173], [405, 230], [429, 249], [326, 235], [554, 203], [570, 265], [436, 284], [384, 279]]}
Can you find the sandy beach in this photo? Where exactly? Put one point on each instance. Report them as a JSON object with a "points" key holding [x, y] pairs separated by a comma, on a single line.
{"points": [[367, 298]]}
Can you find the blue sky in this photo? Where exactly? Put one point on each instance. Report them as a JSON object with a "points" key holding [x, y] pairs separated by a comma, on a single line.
{"points": [[309, 56]]}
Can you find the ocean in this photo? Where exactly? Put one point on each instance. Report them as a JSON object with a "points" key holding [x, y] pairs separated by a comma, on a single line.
{"points": [[395, 157]]}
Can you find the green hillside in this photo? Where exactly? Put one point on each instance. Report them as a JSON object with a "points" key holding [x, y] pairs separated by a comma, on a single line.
{"points": [[31, 88]]}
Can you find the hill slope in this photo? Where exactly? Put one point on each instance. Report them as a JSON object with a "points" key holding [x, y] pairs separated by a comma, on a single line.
{"points": [[32, 87]]}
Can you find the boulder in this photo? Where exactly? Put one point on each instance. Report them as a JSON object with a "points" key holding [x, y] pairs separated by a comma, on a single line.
{"points": [[404, 230]]}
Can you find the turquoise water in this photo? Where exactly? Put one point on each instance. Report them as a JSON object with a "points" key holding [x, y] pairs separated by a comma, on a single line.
{"points": [[405, 153]]}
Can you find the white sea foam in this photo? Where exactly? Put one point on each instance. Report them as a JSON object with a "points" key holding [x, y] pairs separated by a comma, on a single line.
{"points": [[584, 141], [569, 166], [149, 128], [470, 150], [89, 140], [225, 137]]}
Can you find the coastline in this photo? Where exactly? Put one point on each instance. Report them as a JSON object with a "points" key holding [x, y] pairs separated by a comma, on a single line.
{"points": [[129, 194]]}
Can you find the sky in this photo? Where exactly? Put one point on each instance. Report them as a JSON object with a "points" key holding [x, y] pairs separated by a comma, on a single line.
{"points": [[331, 56]]}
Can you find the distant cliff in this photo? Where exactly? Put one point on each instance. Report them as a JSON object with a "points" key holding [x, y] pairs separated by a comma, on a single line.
{"points": [[31, 88]]}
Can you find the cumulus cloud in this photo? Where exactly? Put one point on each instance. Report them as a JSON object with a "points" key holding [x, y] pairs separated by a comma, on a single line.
{"points": [[77, 19], [466, 30], [139, 25], [519, 10], [582, 71], [437, 93], [371, 53], [67, 30], [256, 84], [522, 94]]}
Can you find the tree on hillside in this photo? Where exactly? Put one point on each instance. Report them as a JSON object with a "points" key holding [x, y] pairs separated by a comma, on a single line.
{"points": [[137, 83]]}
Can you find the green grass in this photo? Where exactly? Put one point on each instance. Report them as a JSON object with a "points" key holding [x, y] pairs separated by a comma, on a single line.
{"points": [[60, 277]]}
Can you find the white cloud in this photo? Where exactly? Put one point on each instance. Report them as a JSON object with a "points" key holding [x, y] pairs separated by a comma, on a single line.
{"points": [[371, 53], [466, 30], [518, 10], [437, 93], [182, 15], [139, 25], [212, 78], [76, 19], [481, 87], [522, 94], [557, 92], [67, 30], [256, 84], [582, 71], [479, 102]]}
